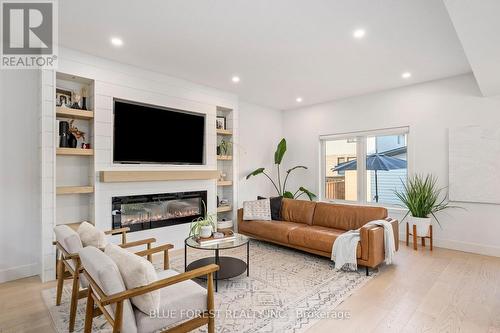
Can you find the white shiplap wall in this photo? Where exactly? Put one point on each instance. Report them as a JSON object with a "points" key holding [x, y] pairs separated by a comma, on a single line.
{"points": [[112, 79]]}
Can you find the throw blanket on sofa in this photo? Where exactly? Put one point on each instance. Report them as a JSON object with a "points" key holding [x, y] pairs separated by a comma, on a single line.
{"points": [[344, 247]]}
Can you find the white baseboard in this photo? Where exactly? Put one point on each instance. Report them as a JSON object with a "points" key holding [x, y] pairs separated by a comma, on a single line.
{"points": [[19, 272], [461, 246]]}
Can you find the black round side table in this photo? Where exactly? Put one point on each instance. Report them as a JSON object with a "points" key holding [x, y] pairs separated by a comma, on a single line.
{"points": [[229, 267]]}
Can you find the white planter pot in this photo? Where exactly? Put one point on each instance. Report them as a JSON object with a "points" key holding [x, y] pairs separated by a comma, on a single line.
{"points": [[422, 224], [206, 231]]}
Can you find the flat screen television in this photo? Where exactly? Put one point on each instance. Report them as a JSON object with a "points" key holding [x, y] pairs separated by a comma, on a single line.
{"points": [[157, 135]]}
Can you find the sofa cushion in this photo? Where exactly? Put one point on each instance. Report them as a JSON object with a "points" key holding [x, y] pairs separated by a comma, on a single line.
{"points": [[257, 210], [275, 207], [299, 211], [136, 272], [178, 303], [271, 230], [346, 217], [317, 238], [91, 236], [105, 273]]}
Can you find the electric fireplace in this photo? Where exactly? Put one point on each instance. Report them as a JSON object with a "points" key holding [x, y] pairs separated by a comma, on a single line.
{"points": [[141, 212]]}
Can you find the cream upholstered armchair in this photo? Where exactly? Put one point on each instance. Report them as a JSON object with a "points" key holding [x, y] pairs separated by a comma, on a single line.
{"points": [[69, 243], [183, 305]]}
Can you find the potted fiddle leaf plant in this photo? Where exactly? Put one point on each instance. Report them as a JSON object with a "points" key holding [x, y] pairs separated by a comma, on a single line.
{"points": [[423, 199], [280, 185], [204, 225]]}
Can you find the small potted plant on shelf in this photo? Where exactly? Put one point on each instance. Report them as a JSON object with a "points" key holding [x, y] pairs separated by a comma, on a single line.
{"points": [[223, 149], [421, 197], [203, 226]]}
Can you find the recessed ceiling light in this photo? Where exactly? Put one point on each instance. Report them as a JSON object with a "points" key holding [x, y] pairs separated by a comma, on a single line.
{"points": [[406, 75], [298, 99], [116, 41], [359, 33], [235, 79]]}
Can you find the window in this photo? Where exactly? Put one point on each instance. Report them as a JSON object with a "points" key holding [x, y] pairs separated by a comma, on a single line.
{"points": [[384, 166], [340, 178]]}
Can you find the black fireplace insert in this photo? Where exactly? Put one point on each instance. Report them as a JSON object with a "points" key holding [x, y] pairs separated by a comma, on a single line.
{"points": [[142, 212]]}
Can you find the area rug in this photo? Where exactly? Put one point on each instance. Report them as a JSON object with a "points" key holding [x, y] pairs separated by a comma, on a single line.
{"points": [[287, 291]]}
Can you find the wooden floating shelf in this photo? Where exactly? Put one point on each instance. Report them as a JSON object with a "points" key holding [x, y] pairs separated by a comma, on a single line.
{"points": [[224, 158], [60, 190], [75, 151], [223, 209], [225, 183], [224, 109], [63, 112], [149, 176], [224, 132]]}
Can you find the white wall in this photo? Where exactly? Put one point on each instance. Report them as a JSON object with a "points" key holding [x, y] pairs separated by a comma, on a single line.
{"points": [[429, 109], [19, 174], [260, 132]]}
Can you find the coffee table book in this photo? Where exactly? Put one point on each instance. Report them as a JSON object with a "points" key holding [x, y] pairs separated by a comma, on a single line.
{"points": [[228, 236]]}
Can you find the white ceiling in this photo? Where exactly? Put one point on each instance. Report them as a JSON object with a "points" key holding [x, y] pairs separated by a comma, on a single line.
{"points": [[281, 49], [478, 26]]}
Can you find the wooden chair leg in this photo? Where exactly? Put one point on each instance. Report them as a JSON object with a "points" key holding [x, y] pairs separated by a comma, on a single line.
{"points": [[414, 237], [407, 234], [430, 234], [210, 303], [117, 327], [166, 260], [150, 257], [60, 281], [74, 298], [423, 241], [89, 313]]}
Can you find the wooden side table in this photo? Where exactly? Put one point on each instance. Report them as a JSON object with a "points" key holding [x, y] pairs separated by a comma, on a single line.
{"points": [[414, 234]]}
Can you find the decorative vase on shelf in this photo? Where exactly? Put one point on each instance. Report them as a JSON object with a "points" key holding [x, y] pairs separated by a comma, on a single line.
{"points": [[64, 134], [72, 141], [84, 103], [206, 231], [422, 224]]}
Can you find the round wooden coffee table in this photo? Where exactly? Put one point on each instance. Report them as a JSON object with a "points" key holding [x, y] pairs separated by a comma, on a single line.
{"points": [[229, 267]]}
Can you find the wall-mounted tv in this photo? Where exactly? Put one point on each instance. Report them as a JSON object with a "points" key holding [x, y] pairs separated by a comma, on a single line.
{"points": [[157, 135]]}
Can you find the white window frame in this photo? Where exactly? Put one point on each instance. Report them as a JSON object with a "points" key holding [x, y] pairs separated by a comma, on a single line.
{"points": [[361, 158]]}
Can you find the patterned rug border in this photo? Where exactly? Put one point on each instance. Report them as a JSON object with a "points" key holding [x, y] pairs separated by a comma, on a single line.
{"points": [[292, 324]]}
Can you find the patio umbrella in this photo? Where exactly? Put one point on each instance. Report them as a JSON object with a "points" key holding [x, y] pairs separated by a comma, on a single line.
{"points": [[374, 162]]}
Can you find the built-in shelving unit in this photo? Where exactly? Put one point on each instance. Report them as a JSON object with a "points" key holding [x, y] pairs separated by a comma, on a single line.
{"points": [[60, 190], [226, 167], [224, 132], [64, 112], [74, 167], [75, 151], [222, 209]]}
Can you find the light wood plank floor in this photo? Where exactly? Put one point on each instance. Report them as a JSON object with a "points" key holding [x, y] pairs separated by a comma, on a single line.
{"points": [[439, 291]]}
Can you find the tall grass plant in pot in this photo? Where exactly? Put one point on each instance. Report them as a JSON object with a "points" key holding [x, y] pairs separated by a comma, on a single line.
{"points": [[423, 199]]}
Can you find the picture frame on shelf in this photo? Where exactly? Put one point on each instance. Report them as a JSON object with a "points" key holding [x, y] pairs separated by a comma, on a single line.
{"points": [[63, 97], [220, 122]]}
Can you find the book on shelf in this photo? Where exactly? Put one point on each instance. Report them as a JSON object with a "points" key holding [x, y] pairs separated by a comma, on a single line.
{"points": [[227, 237]]}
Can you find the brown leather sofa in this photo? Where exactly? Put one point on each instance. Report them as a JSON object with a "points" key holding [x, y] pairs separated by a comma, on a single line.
{"points": [[314, 226]]}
